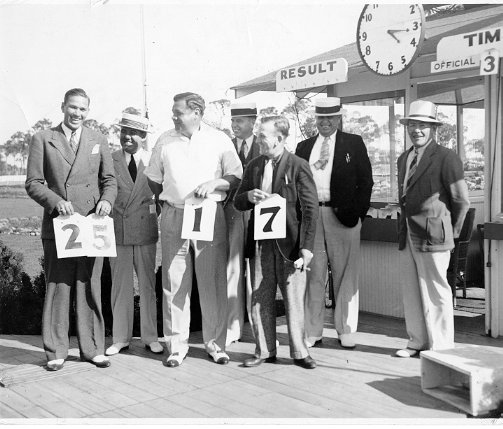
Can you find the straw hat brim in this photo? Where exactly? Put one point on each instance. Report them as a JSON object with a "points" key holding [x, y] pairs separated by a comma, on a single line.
{"points": [[405, 120]]}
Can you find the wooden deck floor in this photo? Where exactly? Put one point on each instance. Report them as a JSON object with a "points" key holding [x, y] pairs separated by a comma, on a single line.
{"points": [[364, 383]]}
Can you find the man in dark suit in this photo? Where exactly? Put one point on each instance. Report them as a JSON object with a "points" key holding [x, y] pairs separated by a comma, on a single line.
{"points": [[243, 117], [70, 171], [135, 223], [282, 261], [433, 203], [343, 176]]}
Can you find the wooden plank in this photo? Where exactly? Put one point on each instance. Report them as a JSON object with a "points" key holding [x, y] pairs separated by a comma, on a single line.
{"points": [[171, 409], [8, 413], [22, 405], [234, 409], [204, 408]]}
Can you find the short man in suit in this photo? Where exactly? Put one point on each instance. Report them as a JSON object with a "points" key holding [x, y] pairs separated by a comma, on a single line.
{"points": [[193, 162], [283, 261], [135, 223], [433, 203], [243, 117], [70, 170], [343, 176]]}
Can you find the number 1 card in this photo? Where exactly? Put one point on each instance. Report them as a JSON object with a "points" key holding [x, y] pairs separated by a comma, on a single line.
{"points": [[199, 219], [270, 218]]}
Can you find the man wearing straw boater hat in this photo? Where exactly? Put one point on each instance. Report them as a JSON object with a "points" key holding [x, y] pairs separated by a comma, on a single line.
{"points": [[343, 175], [433, 200], [135, 223], [243, 117]]}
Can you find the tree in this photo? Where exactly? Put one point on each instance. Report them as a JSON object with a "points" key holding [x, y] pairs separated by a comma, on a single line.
{"points": [[94, 125], [299, 112], [365, 126], [215, 115], [18, 144]]}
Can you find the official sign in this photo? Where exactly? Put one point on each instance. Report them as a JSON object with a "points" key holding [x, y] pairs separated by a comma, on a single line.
{"points": [[77, 235], [312, 75], [199, 219], [270, 218], [470, 44], [454, 64]]}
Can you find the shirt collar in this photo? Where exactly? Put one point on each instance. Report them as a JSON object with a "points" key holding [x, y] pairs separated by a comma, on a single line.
{"points": [[331, 137], [68, 132]]}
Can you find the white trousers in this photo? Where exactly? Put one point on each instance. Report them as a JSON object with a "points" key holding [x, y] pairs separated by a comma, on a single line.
{"points": [[427, 300], [339, 245], [142, 259]]}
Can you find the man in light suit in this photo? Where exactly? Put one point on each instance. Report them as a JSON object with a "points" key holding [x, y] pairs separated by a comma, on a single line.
{"points": [[70, 171], [136, 234], [343, 176], [433, 203], [280, 262], [243, 117]]}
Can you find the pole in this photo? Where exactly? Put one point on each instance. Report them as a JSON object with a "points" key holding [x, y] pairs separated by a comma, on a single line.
{"points": [[144, 67]]}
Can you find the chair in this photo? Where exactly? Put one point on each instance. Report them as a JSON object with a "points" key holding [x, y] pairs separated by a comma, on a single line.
{"points": [[456, 273]]}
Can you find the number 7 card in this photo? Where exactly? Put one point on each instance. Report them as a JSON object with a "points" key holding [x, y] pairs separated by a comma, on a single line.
{"points": [[270, 218]]}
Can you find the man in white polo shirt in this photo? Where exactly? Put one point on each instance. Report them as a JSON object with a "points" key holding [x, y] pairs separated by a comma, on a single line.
{"points": [[193, 160]]}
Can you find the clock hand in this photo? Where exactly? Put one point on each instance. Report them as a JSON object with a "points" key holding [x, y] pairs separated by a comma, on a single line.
{"points": [[392, 34]]}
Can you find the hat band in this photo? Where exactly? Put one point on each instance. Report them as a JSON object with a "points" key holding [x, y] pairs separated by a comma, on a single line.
{"points": [[332, 109], [423, 116], [133, 124], [243, 112]]}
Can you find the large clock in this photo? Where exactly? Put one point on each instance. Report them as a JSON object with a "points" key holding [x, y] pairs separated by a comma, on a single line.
{"points": [[390, 36]]}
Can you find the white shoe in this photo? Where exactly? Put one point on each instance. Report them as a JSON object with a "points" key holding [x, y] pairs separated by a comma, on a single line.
{"points": [[154, 347], [406, 353], [347, 341], [174, 360], [219, 357], [116, 348]]}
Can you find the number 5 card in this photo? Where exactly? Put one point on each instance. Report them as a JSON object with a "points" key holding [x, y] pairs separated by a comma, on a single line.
{"points": [[270, 218], [77, 235]]}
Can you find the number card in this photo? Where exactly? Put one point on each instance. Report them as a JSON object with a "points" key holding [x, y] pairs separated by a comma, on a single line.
{"points": [[77, 235], [270, 218], [489, 62], [199, 219]]}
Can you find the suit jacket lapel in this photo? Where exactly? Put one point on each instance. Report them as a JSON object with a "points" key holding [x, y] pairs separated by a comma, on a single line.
{"points": [[309, 147], [402, 167], [279, 177], [58, 140], [86, 146], [254, 150]]}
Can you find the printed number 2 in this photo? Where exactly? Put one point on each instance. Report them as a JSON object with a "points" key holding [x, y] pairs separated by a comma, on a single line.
{"points": [[72, 243], [274, 211]]}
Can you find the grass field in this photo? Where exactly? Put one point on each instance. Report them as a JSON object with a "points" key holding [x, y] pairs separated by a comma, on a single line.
{"points": [[19, 207]]}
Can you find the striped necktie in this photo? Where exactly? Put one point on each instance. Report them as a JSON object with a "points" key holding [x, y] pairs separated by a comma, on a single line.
{"points": [[324, 154], [412, 168], [74, 144]]}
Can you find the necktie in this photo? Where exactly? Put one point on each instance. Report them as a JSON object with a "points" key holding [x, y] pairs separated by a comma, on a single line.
{"points": [[412, 169], [242, 152], [324, 154], [73, 142], [132, 168], [267, 178]]}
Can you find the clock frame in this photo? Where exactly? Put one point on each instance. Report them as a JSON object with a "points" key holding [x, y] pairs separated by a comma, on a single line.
{"points": [[390, 36]]}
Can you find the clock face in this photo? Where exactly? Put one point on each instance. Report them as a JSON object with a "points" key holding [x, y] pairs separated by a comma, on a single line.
{"points": [[390, 36]]}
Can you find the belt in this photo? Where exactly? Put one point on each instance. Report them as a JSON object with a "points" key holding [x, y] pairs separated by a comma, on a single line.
{"points": [[179, 206], [325, 203]]}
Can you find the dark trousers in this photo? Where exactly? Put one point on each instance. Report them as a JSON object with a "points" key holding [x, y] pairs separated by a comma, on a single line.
{"points": [[67, 280], [268, 271]]}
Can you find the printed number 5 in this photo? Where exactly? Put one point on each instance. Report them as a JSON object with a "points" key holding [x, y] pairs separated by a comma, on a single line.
{"points": [[101, 240], [72, 241], [274, 211]]}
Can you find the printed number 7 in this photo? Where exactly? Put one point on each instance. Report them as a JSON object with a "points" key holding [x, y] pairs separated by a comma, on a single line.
{"points": [[72, 243], [274, 211]]}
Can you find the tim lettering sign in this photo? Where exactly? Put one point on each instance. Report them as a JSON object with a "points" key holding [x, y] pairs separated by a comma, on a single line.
{"points": [[470, 44], [312, 75]]}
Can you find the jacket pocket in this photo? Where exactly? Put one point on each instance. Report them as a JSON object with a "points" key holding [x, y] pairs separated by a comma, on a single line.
{"points": [[435, 232]]}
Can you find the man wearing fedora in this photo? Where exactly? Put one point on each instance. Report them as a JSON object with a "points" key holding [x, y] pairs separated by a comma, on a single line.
{"points": [[243, 117], [70, 171], [343, 176], [433, 200], [135, 223]]}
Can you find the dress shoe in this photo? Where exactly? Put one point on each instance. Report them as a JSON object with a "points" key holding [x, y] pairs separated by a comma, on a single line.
{"points": [[174, 360], [116, 348], [100, 361], [155, 347], [55, 365], [406, 353], [347, 341], [256, 361], [311, 342], [308, 362], [219, 357]]}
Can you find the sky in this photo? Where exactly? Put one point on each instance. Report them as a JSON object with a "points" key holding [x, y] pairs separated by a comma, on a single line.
{"points": [[206, 47]]}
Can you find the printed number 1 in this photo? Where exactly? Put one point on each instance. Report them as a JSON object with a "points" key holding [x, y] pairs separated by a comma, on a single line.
{"points": [[72, 243], [197, 219], [274, 211]]}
